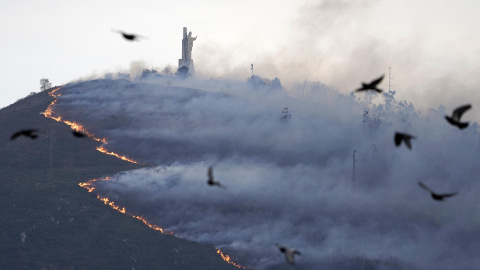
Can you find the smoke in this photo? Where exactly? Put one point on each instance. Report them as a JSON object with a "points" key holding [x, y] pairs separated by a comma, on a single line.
{"points": [[134, 72], [343, 43], [288, 182]]}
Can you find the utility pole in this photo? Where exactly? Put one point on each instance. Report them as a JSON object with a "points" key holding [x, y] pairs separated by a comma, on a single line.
{"points": [[50, 171], [252, 69], [354, 161], [390, 79]]}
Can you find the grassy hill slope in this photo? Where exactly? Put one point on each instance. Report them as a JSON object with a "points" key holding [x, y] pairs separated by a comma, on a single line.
{"points": [[64, 226]]}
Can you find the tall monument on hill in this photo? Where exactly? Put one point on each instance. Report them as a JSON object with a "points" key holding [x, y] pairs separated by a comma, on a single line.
{"points": [[187, 46]]}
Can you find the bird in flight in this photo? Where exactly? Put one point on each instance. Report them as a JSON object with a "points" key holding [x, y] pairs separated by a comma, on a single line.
{"points": [[457, 114], [26, 132], [289, 253], [127, 36], [399, 137], [372, 86], [435, 196], [78, 134], [211, 181]]}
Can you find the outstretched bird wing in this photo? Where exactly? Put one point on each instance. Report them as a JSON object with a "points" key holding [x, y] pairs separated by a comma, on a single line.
{"points": [[425, 187], [405, 137], [361, 88], [371, 86], [26, 132], [290, 257], [16, 135], [374, 83], [408, 141], [458, 112], [448, 195], [210, 174], [118, 31]]}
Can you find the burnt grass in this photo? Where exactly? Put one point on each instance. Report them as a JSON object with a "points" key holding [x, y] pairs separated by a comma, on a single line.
{"points": [[64, 226]]}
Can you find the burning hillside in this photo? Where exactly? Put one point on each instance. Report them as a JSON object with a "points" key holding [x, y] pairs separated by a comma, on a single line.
{"points": [[288, 181]]}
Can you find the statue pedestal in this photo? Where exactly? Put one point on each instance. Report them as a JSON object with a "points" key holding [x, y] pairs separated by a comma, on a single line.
{"points": [[188, 63]]}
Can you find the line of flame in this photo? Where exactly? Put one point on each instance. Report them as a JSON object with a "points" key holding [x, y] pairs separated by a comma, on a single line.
{"points": [[88, 185], [227, 258], [77, 127], [105, 151]]}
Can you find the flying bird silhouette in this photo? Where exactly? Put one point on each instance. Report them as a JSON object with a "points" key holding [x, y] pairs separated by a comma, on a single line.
{"points": [[372, 86], [289, 253], [399, 137], [211, 181], [435, 196], [26, 132], [130, 37], [457, 114], [78, 134]]}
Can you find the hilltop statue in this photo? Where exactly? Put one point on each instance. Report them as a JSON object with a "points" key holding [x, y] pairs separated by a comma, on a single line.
{"points": [[187, 46]]}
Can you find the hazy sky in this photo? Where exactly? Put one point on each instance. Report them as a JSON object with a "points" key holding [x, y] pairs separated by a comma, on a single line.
{"points": [[432, 46]]}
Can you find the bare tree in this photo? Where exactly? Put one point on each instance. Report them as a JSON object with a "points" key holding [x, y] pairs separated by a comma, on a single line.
{"points": [[45, 84], [285, 115], [168, 70]]}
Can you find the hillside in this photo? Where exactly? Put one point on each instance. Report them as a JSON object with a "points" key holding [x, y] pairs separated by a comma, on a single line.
{"points": [[62, 225]]}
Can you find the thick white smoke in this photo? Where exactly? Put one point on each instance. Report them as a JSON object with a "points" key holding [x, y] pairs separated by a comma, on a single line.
{"points": [[289, 182]]}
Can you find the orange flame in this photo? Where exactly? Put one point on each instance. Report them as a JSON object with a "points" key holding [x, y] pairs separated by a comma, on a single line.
{"points": [[107, 201], [105, 151], [88, 185], [84, 185], [153, 226], [227, 259], [49, 111]]}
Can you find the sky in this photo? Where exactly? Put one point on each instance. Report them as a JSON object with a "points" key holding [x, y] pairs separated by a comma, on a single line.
{"points": [[432, 47], [289, 182]]}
